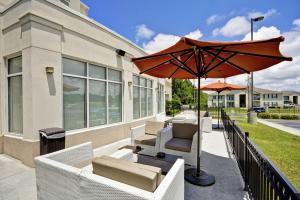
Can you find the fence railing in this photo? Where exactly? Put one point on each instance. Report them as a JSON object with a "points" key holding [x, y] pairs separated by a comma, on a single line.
{"points": [[263, 180]]}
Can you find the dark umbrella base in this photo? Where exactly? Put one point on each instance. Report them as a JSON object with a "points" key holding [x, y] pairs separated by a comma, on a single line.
{"points": [[215, 126], [203, 179]]}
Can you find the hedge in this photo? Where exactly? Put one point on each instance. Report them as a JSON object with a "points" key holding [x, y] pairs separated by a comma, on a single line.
{"points": [[276, 116]]}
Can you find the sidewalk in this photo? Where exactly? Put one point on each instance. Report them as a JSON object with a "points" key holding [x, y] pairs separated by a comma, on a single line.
{"points": [[280, 127]]}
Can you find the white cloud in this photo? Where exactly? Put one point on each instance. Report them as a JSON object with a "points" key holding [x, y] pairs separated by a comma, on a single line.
{"points": [[197, 34], [296, 22], [267, 14], [214, 18], [285, 75], [238, 25], [143, 32], [263, 33], [162, 41]]}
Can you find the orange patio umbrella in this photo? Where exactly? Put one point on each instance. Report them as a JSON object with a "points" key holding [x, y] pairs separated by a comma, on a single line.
{"points": [[193, 59], [219, 87]]}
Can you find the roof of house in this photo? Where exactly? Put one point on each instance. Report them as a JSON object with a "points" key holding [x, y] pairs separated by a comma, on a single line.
{"points": [[290, 92], [258, 90]]}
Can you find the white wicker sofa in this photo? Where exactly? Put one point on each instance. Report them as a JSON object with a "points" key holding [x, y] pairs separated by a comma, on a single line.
{"points": [[185, 146], [62, 176]]}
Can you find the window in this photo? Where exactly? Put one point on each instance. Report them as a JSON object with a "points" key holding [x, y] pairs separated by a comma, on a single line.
{"points": [[230, 97], [15, 102], [230, 104], [160, 98], [142, 97], [92, 95]]}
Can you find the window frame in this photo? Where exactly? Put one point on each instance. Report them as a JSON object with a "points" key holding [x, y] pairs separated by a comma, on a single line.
{"points": [[162, 92], [140, 87], [87, 79], [7, 128]]}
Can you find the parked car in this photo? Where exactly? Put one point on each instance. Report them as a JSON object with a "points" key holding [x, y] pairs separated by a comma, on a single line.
{"points": [[259, 109], [289, 105]]}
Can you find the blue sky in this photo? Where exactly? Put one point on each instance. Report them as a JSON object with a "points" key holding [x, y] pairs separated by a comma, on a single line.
{"points": [[155, 24]]}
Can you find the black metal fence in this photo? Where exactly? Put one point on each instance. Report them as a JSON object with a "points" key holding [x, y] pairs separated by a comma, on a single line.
{"points": [[263, 180]]}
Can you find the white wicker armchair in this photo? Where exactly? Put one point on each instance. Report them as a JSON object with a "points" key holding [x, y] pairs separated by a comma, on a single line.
{"points": [[188, 156], [147, 136], [59, 177]]}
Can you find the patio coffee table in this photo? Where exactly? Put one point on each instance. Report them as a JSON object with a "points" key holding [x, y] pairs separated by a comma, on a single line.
{"points": [[135, 149], [165, 163]]}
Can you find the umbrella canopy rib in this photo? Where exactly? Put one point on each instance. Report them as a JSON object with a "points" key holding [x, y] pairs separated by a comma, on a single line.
{"points": [[223, 60], [163, 63], [183, 64], [160, 55], [254, 54], [231, 63], [177, 65], [215, 57]]}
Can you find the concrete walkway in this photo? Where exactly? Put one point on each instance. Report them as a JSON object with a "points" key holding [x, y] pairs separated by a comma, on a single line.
{"points": [[17, 182], [282, 127], [216, 159]]}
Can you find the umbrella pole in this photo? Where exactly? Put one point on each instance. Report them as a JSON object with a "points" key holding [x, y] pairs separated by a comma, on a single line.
{"points": [[218, 110], [198, 132], [195, 175]]}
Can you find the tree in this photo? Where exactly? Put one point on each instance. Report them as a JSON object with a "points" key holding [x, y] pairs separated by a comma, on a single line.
{"points": [[185, 92]]}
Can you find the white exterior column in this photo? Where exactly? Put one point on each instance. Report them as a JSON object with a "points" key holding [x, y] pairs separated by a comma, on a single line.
{"points": [[42, 92]]}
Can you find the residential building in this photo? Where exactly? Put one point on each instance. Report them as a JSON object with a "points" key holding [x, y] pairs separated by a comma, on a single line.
{"points": [[59, 68], [262, 98]]}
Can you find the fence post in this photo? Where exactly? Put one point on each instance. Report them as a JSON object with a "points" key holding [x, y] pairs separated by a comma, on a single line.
{"points": [[233, 135], [246, 161]]}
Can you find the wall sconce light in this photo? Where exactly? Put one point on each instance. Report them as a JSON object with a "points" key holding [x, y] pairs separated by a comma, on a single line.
{"points": [[49, 70], [129, 83], [120, 52]]}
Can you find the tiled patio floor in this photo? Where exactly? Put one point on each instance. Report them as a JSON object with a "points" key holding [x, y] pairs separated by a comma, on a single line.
{"points": [[17, 182]]}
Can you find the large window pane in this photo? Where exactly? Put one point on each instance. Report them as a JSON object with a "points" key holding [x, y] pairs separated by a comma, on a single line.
{"points": [[15, 65], [136, 102], [114, 75], [150, 102], [97, 103], [74, 98], [160, 103], [136, 80], [114, 102], [97, 72], [143, 82], [143, 102], [15, 104], [74, 67]]}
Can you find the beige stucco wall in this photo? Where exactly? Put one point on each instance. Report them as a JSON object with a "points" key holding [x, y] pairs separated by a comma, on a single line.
{"points": [[24, 150], [1, 144], [43, 32]]}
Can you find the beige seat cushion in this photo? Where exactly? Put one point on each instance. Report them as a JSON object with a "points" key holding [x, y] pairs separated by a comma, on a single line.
{"points": [[184, 130], [157, 170], [134, 176], [179, 144], [146, 140], [152, 127]]}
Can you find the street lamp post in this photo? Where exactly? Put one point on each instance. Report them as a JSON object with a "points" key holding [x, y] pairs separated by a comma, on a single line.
{"points": [[252, 116], [256, 19]]}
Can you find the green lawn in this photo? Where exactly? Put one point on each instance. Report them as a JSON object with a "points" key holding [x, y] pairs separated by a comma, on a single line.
{"points": [[280, 147]]}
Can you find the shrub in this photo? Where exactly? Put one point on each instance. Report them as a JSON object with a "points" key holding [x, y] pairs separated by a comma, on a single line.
{"points": [[173, 107], [289, 117], [275, 116], [264, 115]]}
